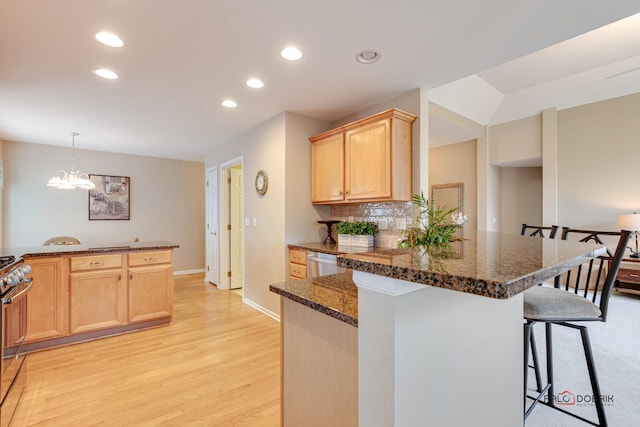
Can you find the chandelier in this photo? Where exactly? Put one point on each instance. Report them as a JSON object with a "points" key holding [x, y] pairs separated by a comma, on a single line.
{"points": [[74, 178]]}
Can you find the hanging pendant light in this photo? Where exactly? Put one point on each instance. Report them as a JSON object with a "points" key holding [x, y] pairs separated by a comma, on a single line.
{"points": [[74, 178]]}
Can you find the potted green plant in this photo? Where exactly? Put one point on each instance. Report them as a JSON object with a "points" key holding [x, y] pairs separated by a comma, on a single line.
{"points": [[435, 225], [359, 233]]}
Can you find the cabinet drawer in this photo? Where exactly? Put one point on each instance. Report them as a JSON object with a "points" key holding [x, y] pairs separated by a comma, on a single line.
{"points": [[628, 275], [148, 258], [298, 256], [95, 262], [297, 271]]}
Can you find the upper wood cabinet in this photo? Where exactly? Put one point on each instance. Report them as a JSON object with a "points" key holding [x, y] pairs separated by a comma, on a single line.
{"points": [[364, 161]]}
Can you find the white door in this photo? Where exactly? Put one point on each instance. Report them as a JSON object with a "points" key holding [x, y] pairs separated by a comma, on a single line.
{"points": [[236, 236], [212, 271]]}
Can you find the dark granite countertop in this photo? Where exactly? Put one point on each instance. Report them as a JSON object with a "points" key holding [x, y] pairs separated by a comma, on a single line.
{"points": [[334, 249], [85, 249], [335, 295], [494, 265]]}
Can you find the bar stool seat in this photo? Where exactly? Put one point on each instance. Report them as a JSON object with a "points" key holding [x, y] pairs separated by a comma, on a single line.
{"points": [[543, 303]]}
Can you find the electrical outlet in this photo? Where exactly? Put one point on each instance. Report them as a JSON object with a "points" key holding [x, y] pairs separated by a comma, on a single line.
{"points": [[401, 224], [350, 218], [382, 224], [255, 222], [246, 221]]}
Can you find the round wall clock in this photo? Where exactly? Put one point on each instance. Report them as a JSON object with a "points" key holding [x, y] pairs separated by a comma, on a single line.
{"points": [[261, 182]]}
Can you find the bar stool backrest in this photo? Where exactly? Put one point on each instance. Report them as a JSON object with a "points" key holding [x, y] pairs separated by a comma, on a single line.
{"points": [[539, 230], [594, 280]]}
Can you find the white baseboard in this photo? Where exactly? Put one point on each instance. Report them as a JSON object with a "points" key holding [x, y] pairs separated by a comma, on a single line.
{"points": [[184, 272], [261, 309]]}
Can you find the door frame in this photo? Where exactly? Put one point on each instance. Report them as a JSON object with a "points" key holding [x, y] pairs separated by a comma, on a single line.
{"points": [[216, 205], [223, 240]]}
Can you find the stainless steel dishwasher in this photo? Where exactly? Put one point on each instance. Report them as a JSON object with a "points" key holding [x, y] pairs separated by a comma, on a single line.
{"points": [[321, 264]]}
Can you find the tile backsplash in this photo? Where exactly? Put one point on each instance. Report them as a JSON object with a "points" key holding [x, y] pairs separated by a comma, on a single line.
{"points": [[392, 218]]}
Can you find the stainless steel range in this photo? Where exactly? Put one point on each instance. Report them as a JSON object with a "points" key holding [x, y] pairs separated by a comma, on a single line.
{"points": [[14, 286]]}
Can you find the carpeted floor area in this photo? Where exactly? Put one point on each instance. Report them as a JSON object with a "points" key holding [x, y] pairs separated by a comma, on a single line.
{"points": [[616, 348]]}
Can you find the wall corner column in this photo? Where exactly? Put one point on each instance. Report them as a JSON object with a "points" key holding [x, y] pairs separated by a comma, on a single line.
{"points": [[550, 166], [423, 149]]}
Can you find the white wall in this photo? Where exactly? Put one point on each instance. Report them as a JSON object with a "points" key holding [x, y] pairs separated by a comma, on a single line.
{"points": [[590, 164], [521, 191], [284, 214], [457, 163], [517, 143], [167, 200], [598, 152], [301, 217]]}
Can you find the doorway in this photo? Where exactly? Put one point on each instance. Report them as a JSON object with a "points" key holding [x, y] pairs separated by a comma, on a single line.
{"points": [[232, 237]]}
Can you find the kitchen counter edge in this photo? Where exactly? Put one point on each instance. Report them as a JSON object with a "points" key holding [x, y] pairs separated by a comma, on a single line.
{"points": [[301, 291], [86, 249]]}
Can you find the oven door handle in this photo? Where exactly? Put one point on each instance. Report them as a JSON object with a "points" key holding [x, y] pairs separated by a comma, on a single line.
{"points": [[19, 295]]}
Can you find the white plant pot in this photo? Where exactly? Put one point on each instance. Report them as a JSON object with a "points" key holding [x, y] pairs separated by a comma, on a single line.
{"points": [[364, 241]]}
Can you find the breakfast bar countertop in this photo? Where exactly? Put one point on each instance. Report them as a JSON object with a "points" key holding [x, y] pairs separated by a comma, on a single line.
{"points": [[495, 265]]}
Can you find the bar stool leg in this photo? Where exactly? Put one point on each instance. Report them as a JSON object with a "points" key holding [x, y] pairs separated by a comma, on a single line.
{"points": [[536, 364], [527, 338], [549, 339], [593, 377]]}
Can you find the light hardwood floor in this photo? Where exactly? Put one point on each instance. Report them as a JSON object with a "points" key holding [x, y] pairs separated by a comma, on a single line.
{"points": [[217, 364]]}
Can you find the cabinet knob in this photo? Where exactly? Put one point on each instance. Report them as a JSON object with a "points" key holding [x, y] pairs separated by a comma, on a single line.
{"points": [[130, 276]]}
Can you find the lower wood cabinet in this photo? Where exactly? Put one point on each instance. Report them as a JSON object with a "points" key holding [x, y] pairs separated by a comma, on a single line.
{"points": [[114, 293], [150, 293], [297, 264], [47, 301], [97, 293]]}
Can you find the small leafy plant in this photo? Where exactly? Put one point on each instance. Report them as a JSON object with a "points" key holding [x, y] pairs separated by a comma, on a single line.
{"points": [[357, 228], [435, 225]]}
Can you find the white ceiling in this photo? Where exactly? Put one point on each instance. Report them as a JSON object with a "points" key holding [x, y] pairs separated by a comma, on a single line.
{"points": [[182, 58]]}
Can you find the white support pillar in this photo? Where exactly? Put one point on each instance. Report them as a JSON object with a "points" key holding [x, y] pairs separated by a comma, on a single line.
{"points": [[433, 357]]}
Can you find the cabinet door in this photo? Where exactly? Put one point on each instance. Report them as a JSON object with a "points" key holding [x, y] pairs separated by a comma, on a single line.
{"points": [[368, 161], [327, 169], [150, 293], [98, 300], [47, 300]]}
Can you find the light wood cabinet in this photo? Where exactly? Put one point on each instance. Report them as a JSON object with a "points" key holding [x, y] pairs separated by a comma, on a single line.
{"points": [[364, 161], [297, 264], [327, 169], [97, 293], [87, 296], [47, 300], [150, 285]]}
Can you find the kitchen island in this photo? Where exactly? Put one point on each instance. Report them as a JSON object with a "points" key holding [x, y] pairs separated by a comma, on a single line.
{"points": [[84, 292], [439, 335]]}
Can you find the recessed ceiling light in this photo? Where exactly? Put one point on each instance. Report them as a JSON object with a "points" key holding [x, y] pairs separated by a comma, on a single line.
{"points": [[291, 53], [106, 74], [368, 56], [255, 83], [229, 103], [109, 39]]}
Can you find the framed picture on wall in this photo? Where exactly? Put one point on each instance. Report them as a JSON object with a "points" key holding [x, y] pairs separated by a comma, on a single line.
{"points": [[110, 199]]}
